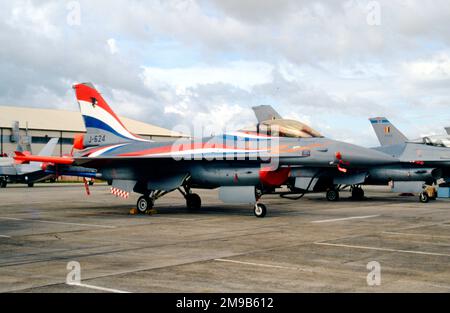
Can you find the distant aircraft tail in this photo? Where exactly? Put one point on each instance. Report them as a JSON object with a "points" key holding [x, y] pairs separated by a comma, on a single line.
{"points": [[34, 162], [265, 113], [103, 127], [447, 129], [387, 133], [49, 148]]}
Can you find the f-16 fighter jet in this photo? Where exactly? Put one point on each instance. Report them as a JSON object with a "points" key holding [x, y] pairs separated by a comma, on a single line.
{"points": [[243, 165], [30, 173], [410, 174], [431, 153]]}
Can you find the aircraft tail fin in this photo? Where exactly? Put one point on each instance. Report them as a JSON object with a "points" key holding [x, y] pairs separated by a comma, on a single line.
{"points": [[265, 113], [103, 126], [447, 129], [387, 133], [49, 148]]}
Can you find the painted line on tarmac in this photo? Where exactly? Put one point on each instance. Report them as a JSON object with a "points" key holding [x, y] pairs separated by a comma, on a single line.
{"points": [[418, 235], [54, 222], [4, 236], [381, 249], [97, 288], [262, 265], [344, 219]]}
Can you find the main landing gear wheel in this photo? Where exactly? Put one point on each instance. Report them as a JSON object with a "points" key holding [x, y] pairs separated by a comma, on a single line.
{"points": [[3, 183], [357, 193], [144, 203], [193, 201], [260, 210], [332, 195], [30, 185], [423, 197]]}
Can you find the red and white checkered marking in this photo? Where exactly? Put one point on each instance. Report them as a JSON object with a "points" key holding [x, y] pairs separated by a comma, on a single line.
{"points": [[120, 193]]}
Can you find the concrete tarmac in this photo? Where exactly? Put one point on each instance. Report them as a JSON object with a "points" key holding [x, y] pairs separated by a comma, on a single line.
{"points": [[308, 245]]}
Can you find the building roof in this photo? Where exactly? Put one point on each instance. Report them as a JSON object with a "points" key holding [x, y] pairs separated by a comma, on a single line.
{"points": [[61, 120]]}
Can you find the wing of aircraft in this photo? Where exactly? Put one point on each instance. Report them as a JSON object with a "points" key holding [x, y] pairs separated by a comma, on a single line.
{"points": [[387, 133]]}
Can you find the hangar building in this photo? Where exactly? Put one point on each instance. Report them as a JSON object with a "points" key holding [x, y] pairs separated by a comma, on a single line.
{"points": [[43, 124]]}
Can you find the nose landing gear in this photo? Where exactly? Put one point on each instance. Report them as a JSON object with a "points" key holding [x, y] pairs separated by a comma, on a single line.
{"points": [[260, 210]]}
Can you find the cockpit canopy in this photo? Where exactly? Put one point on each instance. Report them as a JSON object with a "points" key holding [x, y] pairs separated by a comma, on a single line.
{"points": [[285, 128], [437, 141]]}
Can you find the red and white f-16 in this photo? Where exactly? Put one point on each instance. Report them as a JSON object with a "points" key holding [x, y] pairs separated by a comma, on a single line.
{"points": [[243, 165]]}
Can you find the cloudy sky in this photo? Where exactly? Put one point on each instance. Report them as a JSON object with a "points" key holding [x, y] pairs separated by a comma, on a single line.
{"points": [[329, 63]]}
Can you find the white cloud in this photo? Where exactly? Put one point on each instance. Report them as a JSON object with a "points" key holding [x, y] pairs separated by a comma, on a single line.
{"points": [[435, 68], [33, 19], [317, 61], [242, 74]]}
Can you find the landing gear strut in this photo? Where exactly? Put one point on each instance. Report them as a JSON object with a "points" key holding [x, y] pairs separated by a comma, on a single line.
{"points": [[193, 200], [260, 210]]}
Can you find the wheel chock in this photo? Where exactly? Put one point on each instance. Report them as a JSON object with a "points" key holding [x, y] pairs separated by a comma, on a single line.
{"points": [[151, 211], [133, 211]]}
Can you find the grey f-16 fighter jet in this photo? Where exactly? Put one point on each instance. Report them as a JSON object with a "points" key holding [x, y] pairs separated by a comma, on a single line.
{"points": [[30, 173], [431, 153], [410, 174]]}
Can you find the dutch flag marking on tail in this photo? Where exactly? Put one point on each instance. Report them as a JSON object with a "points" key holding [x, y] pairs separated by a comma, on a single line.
{"points": [[102, 124]]}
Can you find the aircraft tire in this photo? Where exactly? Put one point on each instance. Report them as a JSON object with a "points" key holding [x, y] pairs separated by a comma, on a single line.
{"points": [[193, 201], [3, 183], [260, 210], [423, 197], [30, 185], [332, 195], [143, 204], [357, 193]]}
